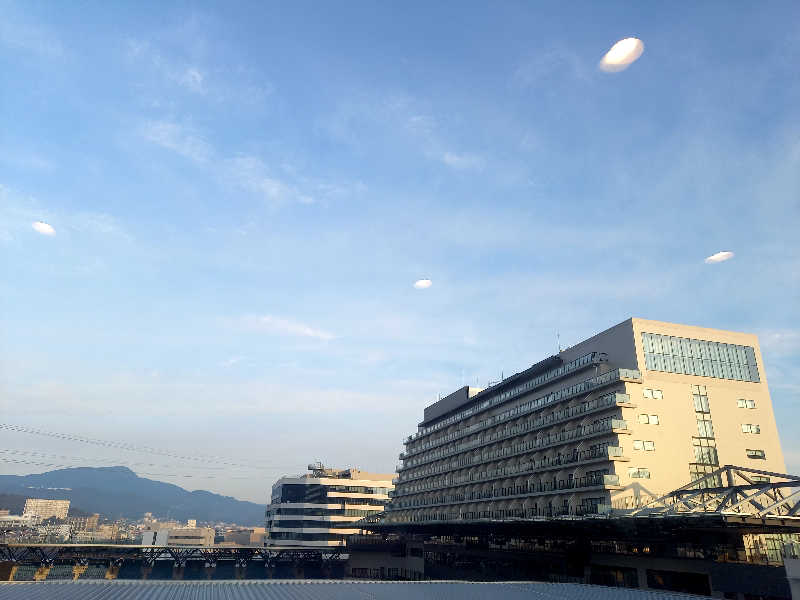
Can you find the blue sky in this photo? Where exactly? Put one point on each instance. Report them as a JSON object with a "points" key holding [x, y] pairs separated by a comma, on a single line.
{"points": [[243, 195]]}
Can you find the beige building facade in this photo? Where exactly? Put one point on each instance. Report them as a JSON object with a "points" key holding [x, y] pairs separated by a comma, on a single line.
{"points": [[631, 413], [44, 509]]}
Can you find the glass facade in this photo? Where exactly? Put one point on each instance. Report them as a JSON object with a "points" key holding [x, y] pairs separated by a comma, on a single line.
{"points": [[686, 356]]}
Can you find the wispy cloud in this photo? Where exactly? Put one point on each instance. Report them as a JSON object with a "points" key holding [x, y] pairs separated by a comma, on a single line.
{"points": [[179, 139], [251, 173], [229, 362], [246, 171], [29, 38], [284, 326], [462, 161]]}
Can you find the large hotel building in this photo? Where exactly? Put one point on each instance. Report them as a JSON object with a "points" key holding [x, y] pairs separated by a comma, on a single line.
{"points": [[634, 412], [310, 509]]}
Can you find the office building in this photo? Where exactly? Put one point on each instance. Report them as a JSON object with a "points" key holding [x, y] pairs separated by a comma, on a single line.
{"points": [[45, 509], [636, 411], [305, 509]]}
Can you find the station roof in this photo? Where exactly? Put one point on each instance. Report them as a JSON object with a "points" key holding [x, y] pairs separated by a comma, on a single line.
{"points": [[317, 589]]}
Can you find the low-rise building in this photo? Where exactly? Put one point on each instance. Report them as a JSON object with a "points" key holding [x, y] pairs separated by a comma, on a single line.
{"points": [[308, 510]]}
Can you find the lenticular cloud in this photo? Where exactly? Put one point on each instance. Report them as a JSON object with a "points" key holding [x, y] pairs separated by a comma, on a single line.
{"points": [[719, 257], [43, 228], [622, 55], [423, 284]]}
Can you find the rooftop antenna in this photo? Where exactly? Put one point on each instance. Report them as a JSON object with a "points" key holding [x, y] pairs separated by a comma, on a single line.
{"points": [[558, 340]]}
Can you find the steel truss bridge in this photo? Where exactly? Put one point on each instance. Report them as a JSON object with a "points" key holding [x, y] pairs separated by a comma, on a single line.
{"points": [[117, 554]]}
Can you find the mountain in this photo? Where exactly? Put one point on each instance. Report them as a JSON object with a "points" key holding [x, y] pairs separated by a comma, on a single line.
{"points": [[116, 492]]}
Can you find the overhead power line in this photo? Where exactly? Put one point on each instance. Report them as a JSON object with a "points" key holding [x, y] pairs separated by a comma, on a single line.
{"points": [[120, 445]]}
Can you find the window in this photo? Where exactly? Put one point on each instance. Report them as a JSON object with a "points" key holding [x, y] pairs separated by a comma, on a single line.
{"points": [[649, 446], [638, 444], [751, 453], [705, 428], [759, 478], [638, 473], [701, 403], [750, 428], [651, 393], [644, 419], [699, 357], [647, 393], [658, 394], [744, 403], [705, 455], [653, 419]]}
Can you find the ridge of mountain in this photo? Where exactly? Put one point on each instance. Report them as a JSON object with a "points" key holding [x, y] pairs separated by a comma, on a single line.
{"points": [[118, 492]]}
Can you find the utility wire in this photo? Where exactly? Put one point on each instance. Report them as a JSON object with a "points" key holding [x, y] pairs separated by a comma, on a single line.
{"points": [[205, 459]]}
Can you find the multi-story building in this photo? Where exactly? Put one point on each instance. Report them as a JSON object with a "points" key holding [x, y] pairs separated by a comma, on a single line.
{"points": [[308, 510], [633, 412], [44, 509]]}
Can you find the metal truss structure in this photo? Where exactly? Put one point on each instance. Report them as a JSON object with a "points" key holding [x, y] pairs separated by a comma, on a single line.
{"points": [[729, 490], [47, 554]]}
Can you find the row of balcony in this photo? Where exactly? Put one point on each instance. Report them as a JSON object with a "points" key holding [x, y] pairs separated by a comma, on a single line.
{"points": [[511, 492], [552, 439], [564, 394], [576, 458], [548, 420], [543, 379], [500, 515]]}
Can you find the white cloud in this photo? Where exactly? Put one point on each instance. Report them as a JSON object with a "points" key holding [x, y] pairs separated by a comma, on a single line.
{"points": [[43, 228], [423, 284], [719, 257], [232, 361], [621, 55], [176, 138], [283, 326], [251, 173], [462, 161], [193, 80]]}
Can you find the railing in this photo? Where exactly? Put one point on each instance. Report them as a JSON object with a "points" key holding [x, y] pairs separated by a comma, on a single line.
{"points": [[567, 414], [558, 396], [549, 440], [555, 463], [511, 492], [528, 386]]}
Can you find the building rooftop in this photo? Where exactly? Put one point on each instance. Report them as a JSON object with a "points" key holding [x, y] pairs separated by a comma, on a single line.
{"points": [[314, 589]]}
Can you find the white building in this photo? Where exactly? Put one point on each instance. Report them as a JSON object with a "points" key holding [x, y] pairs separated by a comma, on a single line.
{"points": [[306, 509]]}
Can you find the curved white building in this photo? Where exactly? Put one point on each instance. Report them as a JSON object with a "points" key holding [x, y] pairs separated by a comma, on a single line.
{"points": [[307, 510]]}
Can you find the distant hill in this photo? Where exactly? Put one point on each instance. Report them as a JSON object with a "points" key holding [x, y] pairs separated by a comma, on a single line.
{"points": [[117, 492]]}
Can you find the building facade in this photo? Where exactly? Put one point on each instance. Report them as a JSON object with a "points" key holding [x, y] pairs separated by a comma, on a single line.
{"points": [[182, 536], [44, 509], [633, 412], [309, 510]]}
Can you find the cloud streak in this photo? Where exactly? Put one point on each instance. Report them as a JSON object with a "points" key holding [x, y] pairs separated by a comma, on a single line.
{"points": [[289, 327]]}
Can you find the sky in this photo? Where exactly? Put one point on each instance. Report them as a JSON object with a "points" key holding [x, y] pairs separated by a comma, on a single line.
{"points": [[242, 195]]}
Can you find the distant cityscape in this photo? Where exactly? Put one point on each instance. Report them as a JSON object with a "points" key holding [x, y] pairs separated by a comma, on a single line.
{"points": [[651, 423]]}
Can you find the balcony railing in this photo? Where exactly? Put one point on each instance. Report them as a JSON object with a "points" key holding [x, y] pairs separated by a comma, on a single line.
{"points": [[603, 402], [540, 443], [539, 381], [563, 394], [507, 493], [555, 463]]}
